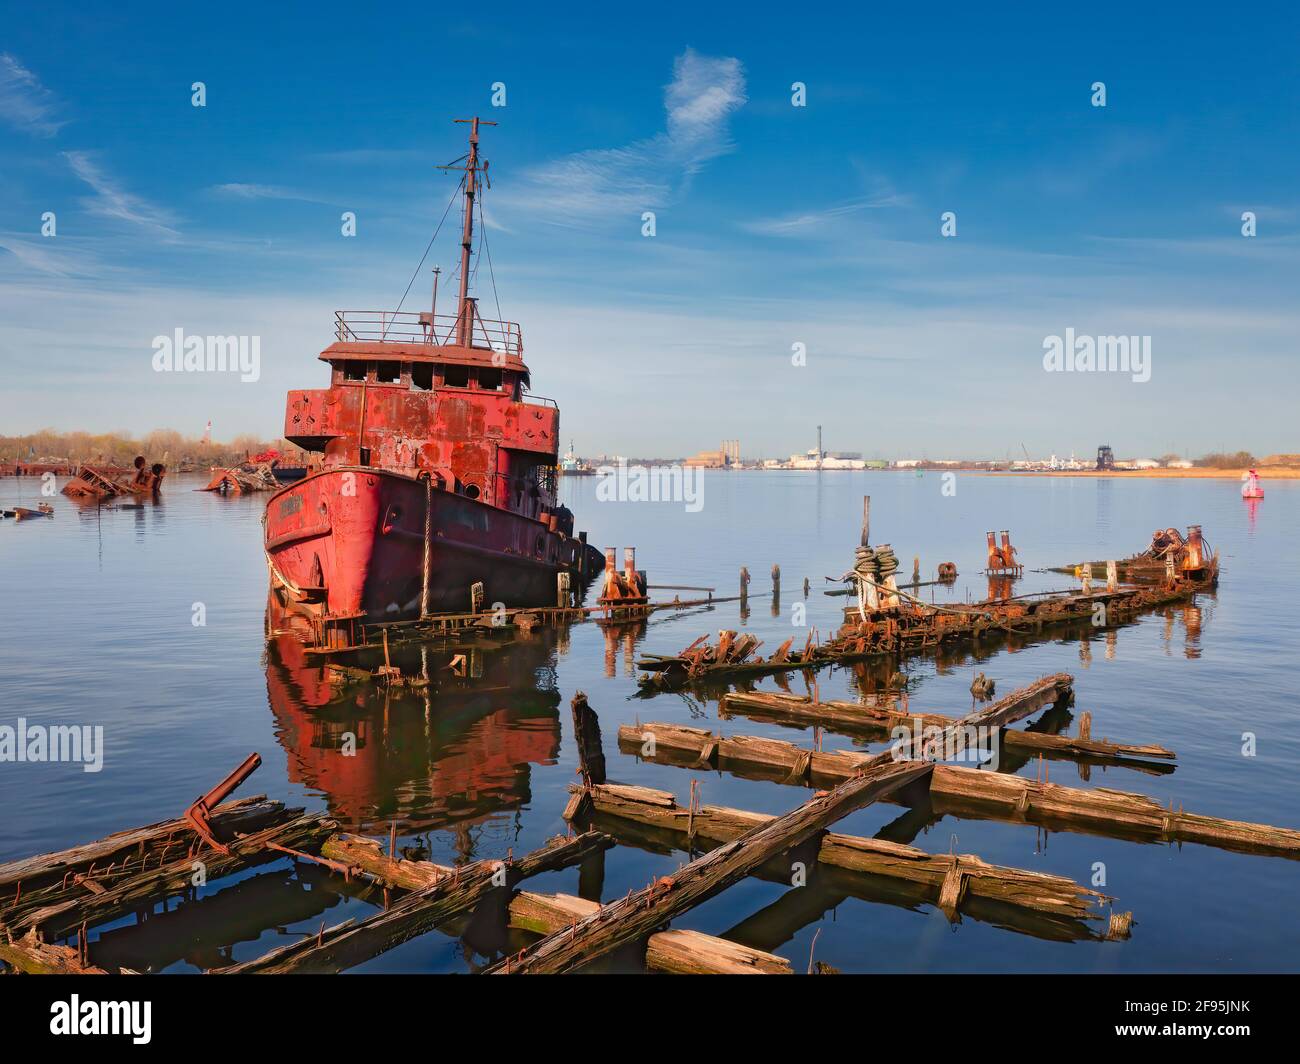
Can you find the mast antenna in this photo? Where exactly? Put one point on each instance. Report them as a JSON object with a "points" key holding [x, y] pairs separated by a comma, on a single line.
{"points": [[472, 168]]}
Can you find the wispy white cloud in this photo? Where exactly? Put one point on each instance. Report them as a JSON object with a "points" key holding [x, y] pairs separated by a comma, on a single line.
{"points": [[239, 190], [807, 222], [25, 103], [55, 258], [596, 185], [112, 201]]}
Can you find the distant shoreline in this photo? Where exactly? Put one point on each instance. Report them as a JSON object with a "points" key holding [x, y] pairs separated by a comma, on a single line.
{"points": [[1195, 473], [1265, 473]]}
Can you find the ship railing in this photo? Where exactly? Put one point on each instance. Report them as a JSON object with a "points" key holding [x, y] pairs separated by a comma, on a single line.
{"points": [[422, 327]]}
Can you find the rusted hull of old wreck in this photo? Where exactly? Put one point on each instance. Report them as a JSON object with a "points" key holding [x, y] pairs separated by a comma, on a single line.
{"points": [[351, 540]]}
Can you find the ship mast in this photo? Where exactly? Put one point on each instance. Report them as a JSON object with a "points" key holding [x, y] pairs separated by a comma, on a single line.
{"points": [[465, 309]]}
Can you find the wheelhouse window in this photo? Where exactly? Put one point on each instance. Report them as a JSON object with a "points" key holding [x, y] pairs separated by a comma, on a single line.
{"points": [[455, 376], [489, 378], [354, 371], [422, 376], [388, 372]]}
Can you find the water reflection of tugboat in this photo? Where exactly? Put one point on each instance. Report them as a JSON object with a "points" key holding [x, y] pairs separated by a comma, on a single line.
{"points": [[453, 754]]}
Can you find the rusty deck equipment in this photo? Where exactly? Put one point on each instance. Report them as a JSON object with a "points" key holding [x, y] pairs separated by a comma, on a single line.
{"points": [[1170, 554], [199, 813], [1002, 559]]}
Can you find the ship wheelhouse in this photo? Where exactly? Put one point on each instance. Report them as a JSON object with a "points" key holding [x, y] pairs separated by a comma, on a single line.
{"points": [[407, 396]]}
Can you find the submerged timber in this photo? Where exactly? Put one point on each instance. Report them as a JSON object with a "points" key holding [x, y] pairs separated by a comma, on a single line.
{"points": [[910, 627]]}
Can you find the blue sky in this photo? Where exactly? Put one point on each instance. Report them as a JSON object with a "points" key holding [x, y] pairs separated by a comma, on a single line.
{"points": [[775, 224]]}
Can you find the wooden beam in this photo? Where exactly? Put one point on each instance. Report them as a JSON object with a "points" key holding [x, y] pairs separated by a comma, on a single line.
{"points": [[127, 847], [678, 952], [636, 916], [872, 721], [947, 879], [31, 956], [834, 885], [424, 908], [971, 793], [88, 902]]}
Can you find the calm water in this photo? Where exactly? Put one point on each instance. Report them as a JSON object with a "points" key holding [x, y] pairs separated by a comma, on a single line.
{"points": [[96, 628]]}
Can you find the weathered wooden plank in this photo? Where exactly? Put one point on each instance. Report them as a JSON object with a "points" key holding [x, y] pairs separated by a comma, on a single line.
{"points": [[1100, 811], [963, 873], [31, 956], [636, 916], [77, 906], [970, 792], [868, 721], [350, 943], [674, 951], [125, 847], [678, 952]]}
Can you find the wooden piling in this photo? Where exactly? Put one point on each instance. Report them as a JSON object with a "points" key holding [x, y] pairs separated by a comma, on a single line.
{"points": [[586, 731]]}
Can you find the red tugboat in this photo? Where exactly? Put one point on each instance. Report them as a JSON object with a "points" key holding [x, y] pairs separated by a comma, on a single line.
{"points": [[438, 469]]}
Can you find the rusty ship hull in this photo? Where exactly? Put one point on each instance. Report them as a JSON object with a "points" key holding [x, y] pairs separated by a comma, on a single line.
{"points": [[351, 541]]}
